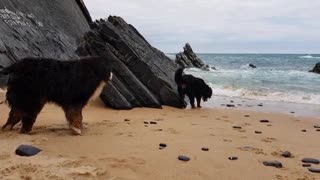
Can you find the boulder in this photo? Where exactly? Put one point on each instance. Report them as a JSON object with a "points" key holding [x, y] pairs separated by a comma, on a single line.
{"points": [[252, 66], [189, 59], [143, 75], [37, 28], [316, 68], [64, 29]]}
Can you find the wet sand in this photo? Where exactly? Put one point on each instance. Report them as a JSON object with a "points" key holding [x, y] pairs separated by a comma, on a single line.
{"points": [[122, 145]]}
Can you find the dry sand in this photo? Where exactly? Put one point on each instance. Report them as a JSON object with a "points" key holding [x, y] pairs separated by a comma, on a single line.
{"points": [[114, 148]]}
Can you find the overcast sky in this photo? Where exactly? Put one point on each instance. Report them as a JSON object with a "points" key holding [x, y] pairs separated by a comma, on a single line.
{"points": [[221, 26]]}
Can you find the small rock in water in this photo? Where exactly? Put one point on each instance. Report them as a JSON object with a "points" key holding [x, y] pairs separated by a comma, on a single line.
{"points": [[205, 149], [230, 105], [264, 121], [314, 170], [184, 158], [310, 160], [306, 165], [286, 154], [152, 122], [27, 150], [258, 132], [232, 101], [260, 104], [237, 127], [233, 158], [276, 164], [292, 112]]}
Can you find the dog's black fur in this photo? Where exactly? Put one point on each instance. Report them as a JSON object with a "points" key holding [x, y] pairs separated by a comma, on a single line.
{"points": [[193, 87], [35, 81]]}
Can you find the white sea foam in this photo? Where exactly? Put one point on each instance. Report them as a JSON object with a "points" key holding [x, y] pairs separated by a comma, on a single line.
{"points": [[294, 97], [309, 57]]}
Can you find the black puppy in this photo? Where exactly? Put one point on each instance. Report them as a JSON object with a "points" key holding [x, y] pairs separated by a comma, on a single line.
{"points": [[192, 87]]}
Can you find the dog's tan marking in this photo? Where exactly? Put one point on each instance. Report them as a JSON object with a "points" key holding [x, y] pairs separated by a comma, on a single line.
{"points": [[98, 91]]}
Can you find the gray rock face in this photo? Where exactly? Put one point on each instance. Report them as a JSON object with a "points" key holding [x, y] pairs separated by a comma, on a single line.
{"points": [[40, 28], [63, 29], [143, 75], [189, 59], [316, 68]]}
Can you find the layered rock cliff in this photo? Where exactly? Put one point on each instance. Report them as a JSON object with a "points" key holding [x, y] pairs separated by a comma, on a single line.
{"points": [[61, 29]]}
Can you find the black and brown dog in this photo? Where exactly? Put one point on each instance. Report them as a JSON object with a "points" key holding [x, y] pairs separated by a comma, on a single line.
{"points": [[70, 84], [193, 87]]}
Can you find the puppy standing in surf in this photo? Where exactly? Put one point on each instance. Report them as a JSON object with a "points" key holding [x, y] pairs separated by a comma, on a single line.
{"points": [[70, 84], [193, 87]]}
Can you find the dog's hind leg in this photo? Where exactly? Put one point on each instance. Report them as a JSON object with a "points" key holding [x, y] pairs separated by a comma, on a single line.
{"points": [[74, 117], [198, 102], [14, 118], [191, 98]]}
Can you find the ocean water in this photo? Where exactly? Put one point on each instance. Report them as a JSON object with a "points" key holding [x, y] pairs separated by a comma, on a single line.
{"points": [[278, 77]]}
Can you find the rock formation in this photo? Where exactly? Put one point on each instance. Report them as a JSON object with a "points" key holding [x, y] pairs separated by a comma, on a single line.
{"points": [[189, 59], [143, 75], [63, 29], [316, 68]]}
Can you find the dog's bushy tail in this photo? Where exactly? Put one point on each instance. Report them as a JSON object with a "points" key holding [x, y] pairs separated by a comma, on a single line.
{"points": [[178, 76]]}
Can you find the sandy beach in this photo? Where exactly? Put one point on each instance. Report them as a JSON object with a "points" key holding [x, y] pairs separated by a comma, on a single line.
{"points": [[124, 145]]}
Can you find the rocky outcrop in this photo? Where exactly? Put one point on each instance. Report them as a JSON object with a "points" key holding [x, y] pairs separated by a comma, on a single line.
{"points": [[63, 29], [189, 59], [316, 68], [40, 28], [143, 75]]}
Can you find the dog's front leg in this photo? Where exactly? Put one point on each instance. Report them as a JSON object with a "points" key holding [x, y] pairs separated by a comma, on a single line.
{"points": [[182, 94], [198, 102]]}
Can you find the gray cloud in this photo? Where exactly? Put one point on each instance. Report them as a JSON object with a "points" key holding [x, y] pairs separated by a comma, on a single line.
{"points": [[285, 26]]}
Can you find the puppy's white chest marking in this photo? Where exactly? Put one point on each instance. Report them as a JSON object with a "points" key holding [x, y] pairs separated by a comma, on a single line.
{"points": [[98, 91]]}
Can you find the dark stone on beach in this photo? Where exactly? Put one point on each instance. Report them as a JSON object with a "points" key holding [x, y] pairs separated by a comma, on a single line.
{"points": [[189, 59], [264, 121], [205, 149], [286, 154], [310, 160], [260, 104], [317, 127], [126, 120], [252, 66], [27, 150], [145, 122], [292, 112], [233, 158], [246, 115], [276, 164], [184, 158], [152, 122], [314, 170], [306, 165], [162, 145], [304, 130], [316, 68], [237, 127], [258, 132], [318, 130], [230, 105], [232, 101]]}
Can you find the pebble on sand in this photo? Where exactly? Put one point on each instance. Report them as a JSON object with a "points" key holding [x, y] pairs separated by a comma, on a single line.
{"points": [[233, 158], [246, 115], [310, 160], [152, 122], [27, 150], [230, 105], [314, 170], [237, 127], [205, 149], [264, 121], [163, 145], [276, 164], [304, 130], [184, 158], [286, 154], [306, 165], [258, 132]]}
